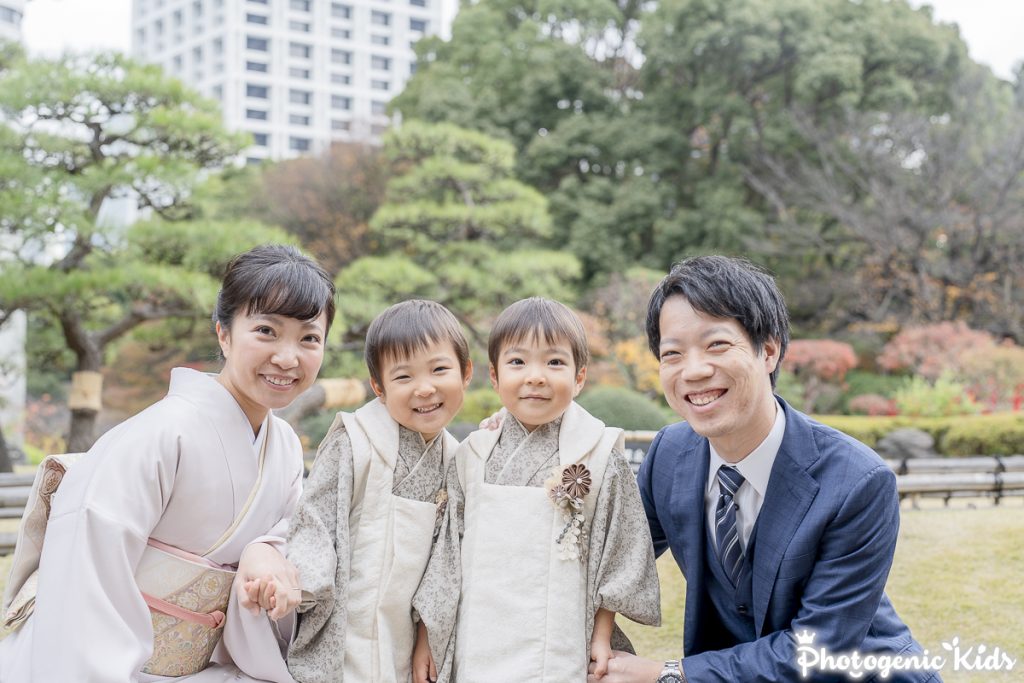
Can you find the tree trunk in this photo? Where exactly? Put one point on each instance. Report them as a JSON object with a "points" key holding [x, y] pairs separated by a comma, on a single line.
{"points": [[5, 455], [83, 430]]}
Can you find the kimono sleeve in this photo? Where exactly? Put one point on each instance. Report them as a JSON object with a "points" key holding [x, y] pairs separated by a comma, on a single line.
{"points": [[621, 565], [318, 546], [90, 622]]}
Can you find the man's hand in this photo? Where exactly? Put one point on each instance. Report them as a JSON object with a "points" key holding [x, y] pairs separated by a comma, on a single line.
{"points": [[423, 668], [626, 668], [266, 580]]}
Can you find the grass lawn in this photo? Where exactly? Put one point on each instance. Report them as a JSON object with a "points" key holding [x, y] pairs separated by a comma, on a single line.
{"points": [[958, 572]]}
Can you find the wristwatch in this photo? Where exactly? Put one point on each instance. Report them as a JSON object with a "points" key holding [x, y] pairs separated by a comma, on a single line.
{"points": [[672, 673]]}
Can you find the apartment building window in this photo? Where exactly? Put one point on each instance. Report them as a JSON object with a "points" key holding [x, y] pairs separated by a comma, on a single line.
{"points": [[380, 40], [378, 108], [300, 26], [299, 5], [179, 18], [418, 25], [260, 92], [197, 9], [300, 50], [297, 72], [377, 130], [380, 63], [256, 114], [158, 27], [197, 55], [341, 102], [340, 125], [340, 11], [299, 144], [176, 62], [259, 67], [341, 56], [140, 34], [258, 2], [218, 46], [342, 79], [418, 3], [261, 139], [298, 119], [380, 18], [300, 96], [257, 44], [251, 18], [343, 33], [217, 93], [380, 85]]}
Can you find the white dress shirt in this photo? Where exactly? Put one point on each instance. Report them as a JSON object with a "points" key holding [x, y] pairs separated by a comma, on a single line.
{"points": [[756, 469]]}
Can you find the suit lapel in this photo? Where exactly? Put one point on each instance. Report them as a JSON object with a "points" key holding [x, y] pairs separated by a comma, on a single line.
{"points": [[688, 519], [790, 493]]}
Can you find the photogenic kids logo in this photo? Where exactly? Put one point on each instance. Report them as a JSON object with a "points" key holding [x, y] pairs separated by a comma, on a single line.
{"points": [[856, 664]]}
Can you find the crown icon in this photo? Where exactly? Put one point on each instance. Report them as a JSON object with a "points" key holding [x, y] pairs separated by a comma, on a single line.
{"points": [[805, 637]]}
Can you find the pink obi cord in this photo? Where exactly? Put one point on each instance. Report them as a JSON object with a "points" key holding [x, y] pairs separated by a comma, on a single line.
{"points": [[213, 620]]}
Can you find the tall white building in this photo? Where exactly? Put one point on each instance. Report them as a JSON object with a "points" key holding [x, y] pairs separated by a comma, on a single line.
{"points": [[297, 74], [11, 13]]}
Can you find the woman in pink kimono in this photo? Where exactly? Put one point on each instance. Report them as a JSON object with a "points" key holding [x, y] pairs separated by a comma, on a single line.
{"points": [[209, 475]]}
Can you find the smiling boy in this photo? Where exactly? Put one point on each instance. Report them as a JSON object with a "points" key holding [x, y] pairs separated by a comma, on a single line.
{"points": [[376, 496], [555, 541]]}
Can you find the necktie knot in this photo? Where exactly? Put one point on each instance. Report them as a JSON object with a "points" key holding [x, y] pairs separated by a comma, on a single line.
{"points": [[729, 479]]}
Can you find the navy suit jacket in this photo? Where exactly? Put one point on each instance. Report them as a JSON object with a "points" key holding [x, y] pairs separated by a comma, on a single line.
{"points": [[823, 546]]}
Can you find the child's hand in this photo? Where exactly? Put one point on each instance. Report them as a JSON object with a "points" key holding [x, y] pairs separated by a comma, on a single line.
{"points": [[493, 423], [266, 580], [423, 668], [600, 653]]}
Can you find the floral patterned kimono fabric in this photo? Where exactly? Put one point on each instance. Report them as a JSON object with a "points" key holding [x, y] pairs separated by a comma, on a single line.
{"points": [[375, 494], [616, 570], [179, 472]]}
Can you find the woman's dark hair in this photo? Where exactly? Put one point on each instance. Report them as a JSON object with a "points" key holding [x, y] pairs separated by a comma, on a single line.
{"points": [[273, 279], [725, 287], [408, 328]]}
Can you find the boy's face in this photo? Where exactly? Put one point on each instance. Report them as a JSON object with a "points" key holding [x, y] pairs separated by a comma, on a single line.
{"points": [[424, 391], [537, 381]]}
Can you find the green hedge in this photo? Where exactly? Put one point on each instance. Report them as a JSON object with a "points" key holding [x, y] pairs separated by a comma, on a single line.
{"points": [[996, 434], [623, 408]]}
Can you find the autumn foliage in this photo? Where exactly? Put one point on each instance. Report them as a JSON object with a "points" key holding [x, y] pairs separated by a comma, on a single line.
{"points": [[930, 350]]}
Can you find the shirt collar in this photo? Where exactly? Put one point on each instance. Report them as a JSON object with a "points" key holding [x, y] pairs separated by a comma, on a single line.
{"points": [[756, 468]]}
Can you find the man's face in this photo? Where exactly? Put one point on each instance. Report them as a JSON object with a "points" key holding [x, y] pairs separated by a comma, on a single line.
{"points": [[714, 380]]}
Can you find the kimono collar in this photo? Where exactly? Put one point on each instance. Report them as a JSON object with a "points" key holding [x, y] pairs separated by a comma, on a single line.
{"points": [[579, 434], [381, 430], [214, 401]]}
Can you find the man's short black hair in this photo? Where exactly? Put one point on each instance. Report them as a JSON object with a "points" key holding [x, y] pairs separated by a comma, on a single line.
{"points": [[725, 287]]}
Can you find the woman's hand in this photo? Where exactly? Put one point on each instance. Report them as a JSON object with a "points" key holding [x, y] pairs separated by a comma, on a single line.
{"points": [[266, 580]]}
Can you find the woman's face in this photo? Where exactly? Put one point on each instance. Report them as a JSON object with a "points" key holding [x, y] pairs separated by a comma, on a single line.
{"points": [[269, 360]]}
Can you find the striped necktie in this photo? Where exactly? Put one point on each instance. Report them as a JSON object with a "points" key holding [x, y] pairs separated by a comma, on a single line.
{"points": [[730, 553]]}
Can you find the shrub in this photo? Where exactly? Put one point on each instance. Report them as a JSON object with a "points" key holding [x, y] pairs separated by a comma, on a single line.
{"points": [[820, 365], [1001, 434], [478, 405], [930, 350], [920, 398], [620, 407], [860, 382], [994, 375], [872, 404]]}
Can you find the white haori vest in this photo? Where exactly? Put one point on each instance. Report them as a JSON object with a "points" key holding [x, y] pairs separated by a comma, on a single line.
{"points": [[522, 616], [391, 539]]}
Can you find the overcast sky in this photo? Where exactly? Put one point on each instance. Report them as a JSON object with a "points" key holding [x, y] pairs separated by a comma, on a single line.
{"points": [[51, 26]]}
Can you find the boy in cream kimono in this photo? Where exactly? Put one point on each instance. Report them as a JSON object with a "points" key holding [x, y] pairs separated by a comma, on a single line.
{"points": [[555, 541], [376, 495]]}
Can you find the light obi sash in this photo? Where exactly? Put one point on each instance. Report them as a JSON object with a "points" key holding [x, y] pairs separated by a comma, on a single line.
{"points": [[187, 594]]}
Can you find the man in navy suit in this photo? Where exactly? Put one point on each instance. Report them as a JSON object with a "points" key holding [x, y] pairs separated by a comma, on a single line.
{"points": [[781, 525]]}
